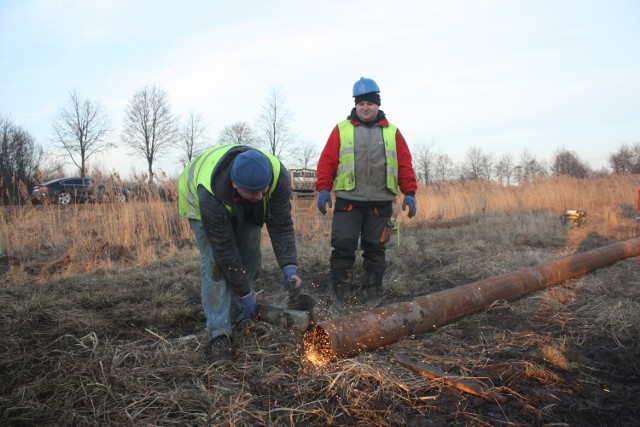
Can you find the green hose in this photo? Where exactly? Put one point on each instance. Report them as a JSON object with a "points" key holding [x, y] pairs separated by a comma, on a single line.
{"points": [[396, 228]]}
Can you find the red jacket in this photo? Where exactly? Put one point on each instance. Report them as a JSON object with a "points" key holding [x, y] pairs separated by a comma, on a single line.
{"points": [[330, 158]]}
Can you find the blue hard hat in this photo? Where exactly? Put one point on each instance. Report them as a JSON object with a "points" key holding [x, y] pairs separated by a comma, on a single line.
{"points": [[364, 86]]}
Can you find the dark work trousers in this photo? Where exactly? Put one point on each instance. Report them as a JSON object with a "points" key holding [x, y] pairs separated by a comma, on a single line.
{"points": [[368, 222]]}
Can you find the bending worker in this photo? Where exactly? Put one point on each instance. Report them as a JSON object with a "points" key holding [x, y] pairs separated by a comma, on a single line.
{"points": [[365, 161], [228, 193]]}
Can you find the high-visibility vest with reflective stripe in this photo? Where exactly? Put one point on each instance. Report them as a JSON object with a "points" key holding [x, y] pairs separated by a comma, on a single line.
{"points": [[198, 172], [346, 176]]}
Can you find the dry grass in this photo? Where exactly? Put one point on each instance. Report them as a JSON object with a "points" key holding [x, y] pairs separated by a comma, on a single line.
{"points": [[100, 321]]}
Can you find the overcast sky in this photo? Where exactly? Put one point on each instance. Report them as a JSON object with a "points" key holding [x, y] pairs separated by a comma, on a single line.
{"points": [[503, 75]]}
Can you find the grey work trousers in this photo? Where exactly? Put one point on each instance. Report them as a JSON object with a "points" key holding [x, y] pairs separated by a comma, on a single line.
{"points": [[364, 222]]}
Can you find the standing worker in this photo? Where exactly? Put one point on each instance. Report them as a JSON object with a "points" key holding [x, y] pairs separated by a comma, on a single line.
{"points": [[365, 161], [228, 193]]}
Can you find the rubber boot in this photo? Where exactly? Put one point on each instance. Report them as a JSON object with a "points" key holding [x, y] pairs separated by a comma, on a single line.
{"points": [[372, 287], [341, 281]]}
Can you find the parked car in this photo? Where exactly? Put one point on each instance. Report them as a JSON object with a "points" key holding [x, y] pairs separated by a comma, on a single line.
{"points": [[77, 189]]}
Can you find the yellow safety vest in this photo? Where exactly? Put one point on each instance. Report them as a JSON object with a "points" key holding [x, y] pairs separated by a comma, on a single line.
{"points": [[346, 176], [198, 172]]}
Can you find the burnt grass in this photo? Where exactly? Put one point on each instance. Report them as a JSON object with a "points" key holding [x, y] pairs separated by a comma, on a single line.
{"points": [[127, 347]]}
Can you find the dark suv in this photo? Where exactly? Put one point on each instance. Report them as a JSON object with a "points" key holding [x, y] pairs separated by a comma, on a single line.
{"points": [[77, 189]]}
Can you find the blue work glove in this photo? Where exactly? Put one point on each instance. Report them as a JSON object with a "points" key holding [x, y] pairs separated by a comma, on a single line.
{"points": [[292, 280], [323, 198], [409, 200], [249, 306]]}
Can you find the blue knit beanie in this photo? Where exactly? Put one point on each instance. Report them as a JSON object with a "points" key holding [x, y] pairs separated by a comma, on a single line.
{"points": [[251, 171]]}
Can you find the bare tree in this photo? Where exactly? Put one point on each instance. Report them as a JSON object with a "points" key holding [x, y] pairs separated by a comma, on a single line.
{"points": [[82, 130], [20, 157], [622, 160], [274, 123], [529, 168], [567, 162], [487, 166], [424, 159], [306, 155], [444, 169], [635, 148], [626, 159], [477, 165], [191, 136], [150, 128], [238, 133], [505, 169]]}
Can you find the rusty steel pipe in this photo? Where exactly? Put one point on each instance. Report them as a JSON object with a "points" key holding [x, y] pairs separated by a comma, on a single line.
{"points": [[371, 329]]}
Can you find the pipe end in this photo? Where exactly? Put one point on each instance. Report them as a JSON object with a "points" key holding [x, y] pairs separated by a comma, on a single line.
{"points": [[317, 346]]}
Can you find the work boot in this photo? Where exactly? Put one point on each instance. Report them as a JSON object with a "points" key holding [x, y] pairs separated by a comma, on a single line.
{"points": [[221, 350]]}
